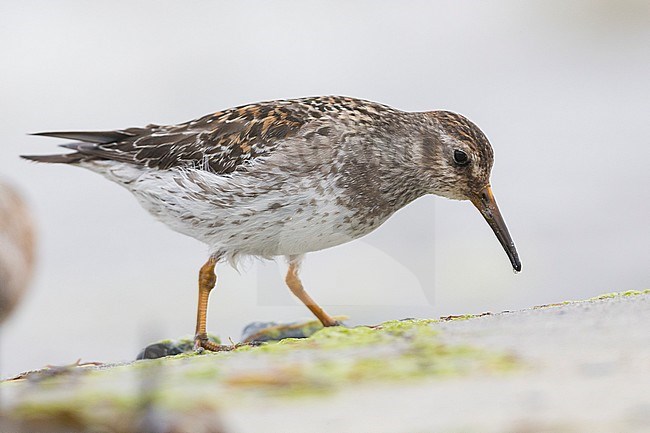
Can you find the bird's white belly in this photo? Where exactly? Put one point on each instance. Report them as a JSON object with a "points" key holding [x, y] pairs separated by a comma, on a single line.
{"points": [[242, 215]]}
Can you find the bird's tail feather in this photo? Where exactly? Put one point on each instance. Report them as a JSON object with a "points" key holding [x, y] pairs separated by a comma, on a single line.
{"points": [[94, 137], [97, 137], [68, 158]]}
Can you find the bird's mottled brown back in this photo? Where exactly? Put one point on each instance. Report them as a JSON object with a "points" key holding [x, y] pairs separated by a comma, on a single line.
{"points": [[219, 142]]}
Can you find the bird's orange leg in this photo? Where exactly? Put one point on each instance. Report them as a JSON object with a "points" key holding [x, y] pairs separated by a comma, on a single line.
{"points": [[295, 285], [207, 281]]}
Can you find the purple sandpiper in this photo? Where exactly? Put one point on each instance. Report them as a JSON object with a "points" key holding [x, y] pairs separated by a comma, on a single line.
{"points": [[286, 177]]}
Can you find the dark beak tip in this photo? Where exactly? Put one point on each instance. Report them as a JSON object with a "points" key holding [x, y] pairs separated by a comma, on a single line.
{"points": [[487, 205]]}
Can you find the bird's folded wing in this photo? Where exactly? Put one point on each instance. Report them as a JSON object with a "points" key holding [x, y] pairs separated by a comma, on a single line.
{"points": [[218, 142]]}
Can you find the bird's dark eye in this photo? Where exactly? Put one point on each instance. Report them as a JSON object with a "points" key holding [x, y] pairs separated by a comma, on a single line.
{"points": [[460, 157]]}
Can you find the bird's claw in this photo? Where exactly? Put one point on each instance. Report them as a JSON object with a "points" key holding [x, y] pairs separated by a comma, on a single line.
{"points": [[203, 343]]}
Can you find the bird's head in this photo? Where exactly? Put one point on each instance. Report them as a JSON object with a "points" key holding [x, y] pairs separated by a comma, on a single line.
{"points": [[458, 158]]}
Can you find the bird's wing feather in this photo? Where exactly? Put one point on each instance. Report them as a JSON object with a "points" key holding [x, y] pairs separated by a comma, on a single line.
{"points": [[218, 142]]}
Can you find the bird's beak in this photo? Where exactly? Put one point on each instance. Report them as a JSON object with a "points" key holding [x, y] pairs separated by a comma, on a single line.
{"points": [[487, 205]]}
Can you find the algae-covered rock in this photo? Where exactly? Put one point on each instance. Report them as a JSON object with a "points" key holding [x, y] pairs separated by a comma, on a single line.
{"points": [[564, 367], [119, 398]]}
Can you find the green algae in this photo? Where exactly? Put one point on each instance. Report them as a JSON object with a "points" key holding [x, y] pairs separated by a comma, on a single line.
{"points": [[604, 296], [635, 292], [620, 294], [395, 350], [339, 337]]}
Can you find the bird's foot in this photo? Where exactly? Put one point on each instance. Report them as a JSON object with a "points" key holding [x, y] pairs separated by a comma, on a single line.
{"points": [[164, 348], [202, 342], [258, 332]]}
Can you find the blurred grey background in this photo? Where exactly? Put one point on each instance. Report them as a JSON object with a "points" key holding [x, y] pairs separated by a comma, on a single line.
{"points": [[561, 88]]}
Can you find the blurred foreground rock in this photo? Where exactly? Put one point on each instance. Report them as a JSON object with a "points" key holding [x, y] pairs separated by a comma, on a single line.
{"points": [[16, 249], [571, 367]]}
